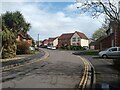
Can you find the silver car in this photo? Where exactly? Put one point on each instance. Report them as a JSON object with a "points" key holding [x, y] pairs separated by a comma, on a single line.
{"points": [[113, 52]]}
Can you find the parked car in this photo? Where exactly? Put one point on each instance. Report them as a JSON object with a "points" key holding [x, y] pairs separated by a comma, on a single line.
{"points": [[32, 48], [113, 52], [86, 47], [53, 48], [49, 47], [43, 46]]}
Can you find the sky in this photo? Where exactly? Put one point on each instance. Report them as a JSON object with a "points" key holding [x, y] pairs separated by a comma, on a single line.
{"points": [[51, 18]]}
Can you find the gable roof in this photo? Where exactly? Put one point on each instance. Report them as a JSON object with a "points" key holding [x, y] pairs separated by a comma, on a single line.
{"points": [[69, 35], [20, 33], [82, 35], [96, 42], [24, 35], [66, 36], [45, 40], [51, 39]]}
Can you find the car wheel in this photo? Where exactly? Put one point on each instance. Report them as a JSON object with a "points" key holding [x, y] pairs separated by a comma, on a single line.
{"points": [[104, 56]]}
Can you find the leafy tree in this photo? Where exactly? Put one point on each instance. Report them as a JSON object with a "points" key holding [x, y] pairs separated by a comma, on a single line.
{"points": [[12, 23], [99, 33], [15, 21], [8, 43]]}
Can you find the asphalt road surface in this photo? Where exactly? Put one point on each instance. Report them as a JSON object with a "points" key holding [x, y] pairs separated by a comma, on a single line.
{"points": [[61, 69], [22, 61]]}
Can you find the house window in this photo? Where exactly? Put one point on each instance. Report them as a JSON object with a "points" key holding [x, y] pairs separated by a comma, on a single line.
{"points": [[74, 39], [78, 38]]}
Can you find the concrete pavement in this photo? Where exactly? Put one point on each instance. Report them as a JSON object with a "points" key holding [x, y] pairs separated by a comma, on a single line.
{"points": [[105, 73]]}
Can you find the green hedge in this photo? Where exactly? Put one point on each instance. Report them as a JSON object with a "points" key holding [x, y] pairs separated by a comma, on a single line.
{"points": [[90, 53], [72, 48], [86, 53]]}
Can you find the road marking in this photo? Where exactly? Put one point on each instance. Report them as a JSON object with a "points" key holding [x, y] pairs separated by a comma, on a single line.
{"points": [[85, 76], [82, 77], [7, 68], [94, 72]]}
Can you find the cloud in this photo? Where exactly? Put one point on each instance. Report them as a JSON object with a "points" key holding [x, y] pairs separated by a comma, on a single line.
{"points": [[49, 24], [73, 7], [37, 0]]}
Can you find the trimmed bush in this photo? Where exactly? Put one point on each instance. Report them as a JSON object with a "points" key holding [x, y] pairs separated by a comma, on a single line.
{"points": [[23, 47], [87, 53]]}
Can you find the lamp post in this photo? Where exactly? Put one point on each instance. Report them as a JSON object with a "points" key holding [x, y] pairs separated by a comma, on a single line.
{"points": [[38, 40]]}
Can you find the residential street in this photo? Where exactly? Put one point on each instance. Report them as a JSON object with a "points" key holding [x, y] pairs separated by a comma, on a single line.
{"points": [[61, 69], [68, 44]]}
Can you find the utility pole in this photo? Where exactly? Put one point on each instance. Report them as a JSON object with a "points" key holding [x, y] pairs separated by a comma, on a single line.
{"points": [[38, 40]]}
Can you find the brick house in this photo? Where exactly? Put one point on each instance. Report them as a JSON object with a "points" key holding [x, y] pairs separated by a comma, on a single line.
{"points": [[91, 43], [38, 43], [45, 42], [112, 38], [74, 39], [53, 42], [64, 39], [24, 37]]}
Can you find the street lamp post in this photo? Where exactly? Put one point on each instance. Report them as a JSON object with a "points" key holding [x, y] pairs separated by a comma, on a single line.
{"points": [[38, 40]]}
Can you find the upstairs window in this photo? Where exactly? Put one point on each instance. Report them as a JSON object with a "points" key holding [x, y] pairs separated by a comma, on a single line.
{"points": [[78, 38], [74, 39]]}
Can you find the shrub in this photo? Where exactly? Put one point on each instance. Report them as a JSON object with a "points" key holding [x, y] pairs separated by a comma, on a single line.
{"points": [[86, 53], [23, 47], [70, 47]]}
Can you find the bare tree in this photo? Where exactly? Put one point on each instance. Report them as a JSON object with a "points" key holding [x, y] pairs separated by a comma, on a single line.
{"points": [[110, 8], [97, 7]]}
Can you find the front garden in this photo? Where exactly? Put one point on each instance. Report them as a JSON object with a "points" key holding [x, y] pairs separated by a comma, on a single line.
{"points": [[12, 24]]}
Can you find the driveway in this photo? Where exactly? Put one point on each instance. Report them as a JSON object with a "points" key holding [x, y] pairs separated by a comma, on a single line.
{"points": [[61, 69]]}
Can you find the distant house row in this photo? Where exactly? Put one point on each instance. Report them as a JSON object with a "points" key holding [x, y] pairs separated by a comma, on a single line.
{"points": [[112, 39], [68, 39]]}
